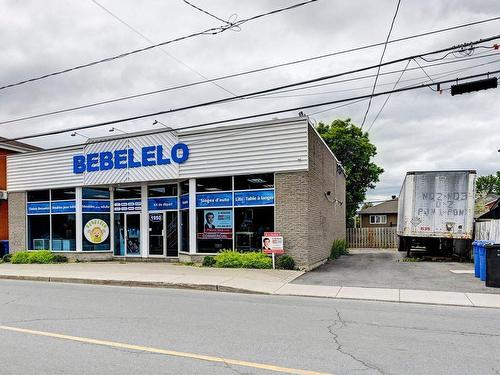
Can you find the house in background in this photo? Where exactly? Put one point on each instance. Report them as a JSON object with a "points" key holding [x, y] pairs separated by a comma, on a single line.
{"points": [[381, 215], [7, 148], [493, 210]]}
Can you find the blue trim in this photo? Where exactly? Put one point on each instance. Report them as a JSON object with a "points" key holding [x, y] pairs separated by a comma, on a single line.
{"points": [[214, 200], [167, 203]]}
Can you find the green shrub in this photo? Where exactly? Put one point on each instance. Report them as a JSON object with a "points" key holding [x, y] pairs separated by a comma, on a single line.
{"points": [[208, 261], [339, 247], [285, 262], [256, 260], [7, 257], [41, 257], [228, 259], [21, 257], [59, 259]]}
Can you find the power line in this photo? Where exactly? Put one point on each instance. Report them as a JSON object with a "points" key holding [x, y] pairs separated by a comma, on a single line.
{"points": [[70, 109], [206, 12], [388, 96], [211, 31], [380, 62], [294, 109], [130, 27], [273, 96], [440, 75], [258, 70]]}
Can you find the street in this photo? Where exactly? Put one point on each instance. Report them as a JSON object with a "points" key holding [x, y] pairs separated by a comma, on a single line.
{"points": [[152, 331]]}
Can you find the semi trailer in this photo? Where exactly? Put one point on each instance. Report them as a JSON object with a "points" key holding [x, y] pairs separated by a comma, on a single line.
{"points": [[436, 212]]}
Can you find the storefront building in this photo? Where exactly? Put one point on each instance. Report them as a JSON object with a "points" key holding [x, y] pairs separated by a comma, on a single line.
{"points": [[181, 195]]}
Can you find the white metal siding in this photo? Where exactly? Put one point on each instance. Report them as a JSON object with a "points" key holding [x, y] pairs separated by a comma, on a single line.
{"points": [[43, 170], [273, 146], [268, 148]]}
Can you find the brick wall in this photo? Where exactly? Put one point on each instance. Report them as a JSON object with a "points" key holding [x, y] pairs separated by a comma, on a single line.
{"points": [[326, 214], [307, 218], [17, 221], [292, 209]]}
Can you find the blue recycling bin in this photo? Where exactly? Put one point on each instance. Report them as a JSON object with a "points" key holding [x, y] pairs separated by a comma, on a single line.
{"points": [[475, 248], [482, 259]]}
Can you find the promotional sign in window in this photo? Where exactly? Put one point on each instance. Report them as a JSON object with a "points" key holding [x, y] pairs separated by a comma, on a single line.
{"points": [[96, 231], [127, 205], [254, 198], [214, 199], [63, 207], [218, 224], [38, 208], [272, 242], [95, 206], [167, 203], [184, 201]]}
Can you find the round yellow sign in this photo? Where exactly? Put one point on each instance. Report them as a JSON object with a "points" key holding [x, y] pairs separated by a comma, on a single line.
{"points": [[96, 231]]}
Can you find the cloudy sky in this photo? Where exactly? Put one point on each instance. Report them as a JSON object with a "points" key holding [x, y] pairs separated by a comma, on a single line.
{"points": [[417, 130]]}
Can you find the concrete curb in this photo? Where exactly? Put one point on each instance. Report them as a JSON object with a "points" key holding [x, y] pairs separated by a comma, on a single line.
{"points": [[234, 289]]}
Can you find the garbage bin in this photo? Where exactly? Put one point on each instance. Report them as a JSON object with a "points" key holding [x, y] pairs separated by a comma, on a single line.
{"points": [[475, 249], [492, 265], [482, 260], [4, 248]]}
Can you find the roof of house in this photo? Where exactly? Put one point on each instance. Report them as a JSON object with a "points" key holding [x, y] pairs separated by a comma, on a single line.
{"points": [[493, 213], [16, 146], [387, 207]]}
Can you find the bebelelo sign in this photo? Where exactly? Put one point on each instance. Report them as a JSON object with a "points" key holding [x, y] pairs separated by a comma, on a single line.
{"points": [[127, 158]]}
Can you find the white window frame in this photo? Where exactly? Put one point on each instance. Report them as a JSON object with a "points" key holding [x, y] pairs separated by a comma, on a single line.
{"points": [[378, 219]]}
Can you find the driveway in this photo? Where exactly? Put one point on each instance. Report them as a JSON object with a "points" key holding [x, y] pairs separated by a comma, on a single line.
{"points": [[380, 268]]}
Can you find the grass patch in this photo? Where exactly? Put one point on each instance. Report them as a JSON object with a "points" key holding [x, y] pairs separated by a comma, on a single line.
{"points": [[339, 248], [410, 260]]}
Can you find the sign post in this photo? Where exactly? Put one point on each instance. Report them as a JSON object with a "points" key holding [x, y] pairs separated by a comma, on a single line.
{"points": [[272, 243]]}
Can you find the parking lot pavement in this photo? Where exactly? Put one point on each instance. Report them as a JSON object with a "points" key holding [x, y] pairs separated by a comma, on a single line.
{"points": [[380, 268]]}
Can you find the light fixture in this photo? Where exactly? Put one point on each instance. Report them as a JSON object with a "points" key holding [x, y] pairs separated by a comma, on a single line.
{"points": [[162, 124], [113, 129], [74, 134]]}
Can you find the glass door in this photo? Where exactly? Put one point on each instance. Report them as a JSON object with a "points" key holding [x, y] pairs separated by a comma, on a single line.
{"points": [[172, 234], [133, 233], [157, 234]]}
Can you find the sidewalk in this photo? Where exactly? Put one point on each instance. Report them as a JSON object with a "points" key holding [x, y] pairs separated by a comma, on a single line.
{"points": [[273, 282]]}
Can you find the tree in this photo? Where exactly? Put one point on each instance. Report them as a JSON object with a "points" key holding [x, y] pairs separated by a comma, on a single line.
{"points": [[355, 151], [488, 184]]}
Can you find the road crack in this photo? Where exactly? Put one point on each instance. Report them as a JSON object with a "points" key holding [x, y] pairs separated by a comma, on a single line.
{"points": [[333, 329]]}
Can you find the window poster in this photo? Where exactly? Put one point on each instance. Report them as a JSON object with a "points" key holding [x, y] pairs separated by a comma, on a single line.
{"points": [[217, 224]]}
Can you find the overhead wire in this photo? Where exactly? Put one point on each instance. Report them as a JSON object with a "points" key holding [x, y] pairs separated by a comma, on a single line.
{"points": [[438, 75], [294, 109], [206, 12], [281, 89], [258, 70], [380, 62], [147, 39], [210, 31]]}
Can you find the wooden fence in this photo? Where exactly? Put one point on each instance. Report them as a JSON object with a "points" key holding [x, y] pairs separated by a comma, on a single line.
{"points": [[372, 237], [488, 230]]}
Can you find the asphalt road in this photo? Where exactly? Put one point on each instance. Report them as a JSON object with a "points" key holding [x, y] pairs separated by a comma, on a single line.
{"points": [[381, 269], [170, 328]]}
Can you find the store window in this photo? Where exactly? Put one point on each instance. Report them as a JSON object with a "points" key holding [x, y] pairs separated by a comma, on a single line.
{"points": [[39, 232], [62, 194], [95, 193], [254, 181], [214, 229], [64, 232], [162, 191], [214, 184], [184, 187], [250, 225], [128, 192], [96, 232], [38, 196]]}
